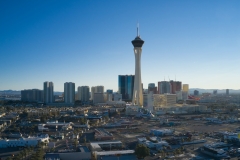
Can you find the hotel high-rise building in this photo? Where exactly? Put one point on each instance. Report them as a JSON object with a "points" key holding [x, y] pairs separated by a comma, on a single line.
{"points": [[185, 87], [152, 88], [215, 92], [32, 95], [196, 92], [164, 87], [109, 91], [48, 92], [98, 98], [96, 89], [69, 92], [137, 89], [178, 85], [185, 91], [227, 92], [100, 89], [109, 94], [125, 87], [83, 93], [175, 86]]}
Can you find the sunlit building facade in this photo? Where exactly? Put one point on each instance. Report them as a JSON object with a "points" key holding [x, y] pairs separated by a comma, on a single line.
{"points": [[164, 87], [48, 92], [185, 88], [69, 92], [83, 93]]}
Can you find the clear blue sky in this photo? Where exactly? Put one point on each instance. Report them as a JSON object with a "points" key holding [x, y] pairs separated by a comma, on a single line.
{"points": [[89, 42]]}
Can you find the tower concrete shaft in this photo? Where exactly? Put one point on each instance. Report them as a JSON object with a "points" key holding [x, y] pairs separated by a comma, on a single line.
{"points": [[137, 90]]}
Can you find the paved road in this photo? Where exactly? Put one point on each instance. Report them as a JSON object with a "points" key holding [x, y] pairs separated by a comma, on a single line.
{"points": [[7, 152]]}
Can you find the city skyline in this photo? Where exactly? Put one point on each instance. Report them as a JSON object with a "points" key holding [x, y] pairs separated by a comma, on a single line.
{"points": [[81, 42]]}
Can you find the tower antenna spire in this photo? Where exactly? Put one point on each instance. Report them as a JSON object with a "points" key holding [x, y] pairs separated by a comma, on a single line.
{"points": [[138, 29]]}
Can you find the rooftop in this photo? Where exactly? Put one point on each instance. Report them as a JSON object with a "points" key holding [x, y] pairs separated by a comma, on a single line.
{"points": [[83, 149], [115, 152], [106, 142]]}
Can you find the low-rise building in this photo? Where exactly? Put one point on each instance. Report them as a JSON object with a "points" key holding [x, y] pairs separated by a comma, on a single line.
{"points": [[132, 110], [55, 125], [101, 134], [105, 145], [161, 132], [153, 142], [115, 155], [23, 142], [83, 153]]}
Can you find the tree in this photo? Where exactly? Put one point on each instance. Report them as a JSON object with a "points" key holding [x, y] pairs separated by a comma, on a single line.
{"points": [[43, 119], [8, 108], [21, 154], [85, 140], [75, 142], [142, 151], [17, 157], [9, 158], [24, 114], [42, 144], [25, 152], [162, 153], [94, 156], [80, 134]]}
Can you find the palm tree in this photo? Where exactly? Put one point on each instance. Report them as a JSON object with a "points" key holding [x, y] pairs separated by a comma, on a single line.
{"points": [[85, 140], [75, 142], [25, 152], [162, 153], [32, 148], [21, 154], [80, 134]]}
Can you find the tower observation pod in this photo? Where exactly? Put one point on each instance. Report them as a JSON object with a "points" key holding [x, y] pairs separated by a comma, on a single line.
{"points": [[137, 89]]}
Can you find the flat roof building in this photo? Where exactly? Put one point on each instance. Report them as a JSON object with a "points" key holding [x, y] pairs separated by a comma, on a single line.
{"points": [[69, 92]]}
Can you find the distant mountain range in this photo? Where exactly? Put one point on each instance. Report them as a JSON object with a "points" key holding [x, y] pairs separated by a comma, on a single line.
{"points": [[219, 91], [191, 90]]}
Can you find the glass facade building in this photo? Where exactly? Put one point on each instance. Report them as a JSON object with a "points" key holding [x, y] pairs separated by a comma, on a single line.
{"points": [[164, 87], [32, 95], [125, 86], [109, 91]]}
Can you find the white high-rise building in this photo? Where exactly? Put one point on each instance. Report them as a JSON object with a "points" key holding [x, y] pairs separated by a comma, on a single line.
{"points": [[48, 94], [99, 98], [92, 92], [179, 95], [100, 89], [117, 97], [96, 89], [69, 92], [83, 93], [137, 89]]}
